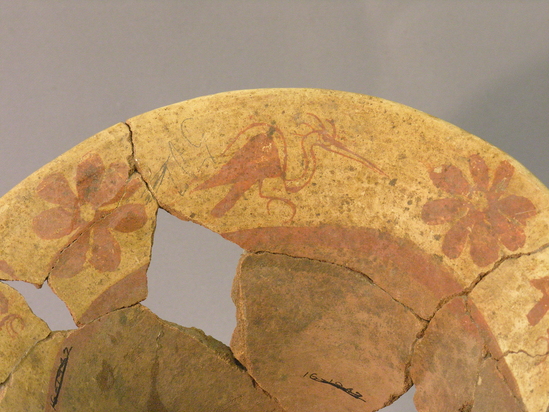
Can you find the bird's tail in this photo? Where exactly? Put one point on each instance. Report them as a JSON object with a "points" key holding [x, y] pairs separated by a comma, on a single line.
{"points": [[235, 193]]}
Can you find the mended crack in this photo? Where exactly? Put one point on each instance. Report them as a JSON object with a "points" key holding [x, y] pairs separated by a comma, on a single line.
{"points": [[496, 265], [466, 291], [488, 354], [135, 165], [523, 352], [259, 252]]}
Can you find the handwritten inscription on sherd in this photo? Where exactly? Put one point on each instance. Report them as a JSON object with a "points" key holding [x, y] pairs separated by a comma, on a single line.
{"points": [[63, 361], [338, 385]]}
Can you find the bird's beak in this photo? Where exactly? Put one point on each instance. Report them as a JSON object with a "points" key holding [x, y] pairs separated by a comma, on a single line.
{"points": [[340, 149]]}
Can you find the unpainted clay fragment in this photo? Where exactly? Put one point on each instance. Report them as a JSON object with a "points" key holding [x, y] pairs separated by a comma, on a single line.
{"points": [[130, 360], [455, 367], [514, 299], [317, 336], [492, 392], [531, 378], [19, 329], [447, 359]]}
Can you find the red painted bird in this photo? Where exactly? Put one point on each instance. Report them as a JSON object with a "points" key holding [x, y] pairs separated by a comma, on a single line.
{"points": [[260, 159]]}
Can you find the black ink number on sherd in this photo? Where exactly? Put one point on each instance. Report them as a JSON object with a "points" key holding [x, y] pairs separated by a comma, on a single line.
{"points": [[63, 361], [338, 385]]}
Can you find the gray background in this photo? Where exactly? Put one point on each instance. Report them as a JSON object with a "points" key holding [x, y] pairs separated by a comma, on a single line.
{"points": [[69, 69]]}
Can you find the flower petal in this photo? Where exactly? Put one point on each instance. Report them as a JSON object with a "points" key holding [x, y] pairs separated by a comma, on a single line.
{"points": [[455, 238], [89, 175], [112, 185], [516, 207], [55, 223], [127, 190], [510, 234], [128, 218], [55, 189], [70, 261], [479, 171], [436, 212], [450, 179], [484, 244], [502, 177], [106, 253]]}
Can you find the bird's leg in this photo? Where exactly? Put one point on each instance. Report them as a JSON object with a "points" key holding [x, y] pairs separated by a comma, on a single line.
{"points": [[306, 155], [271, 198]]}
